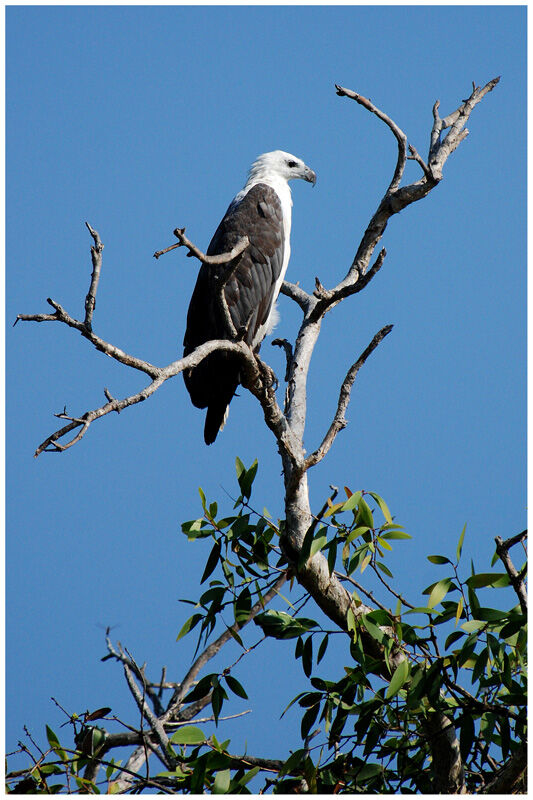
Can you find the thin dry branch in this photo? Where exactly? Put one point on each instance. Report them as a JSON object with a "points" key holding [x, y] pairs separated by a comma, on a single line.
{"points": [[81, 424], [211, 651], [398, 133], [175, 711], [339, 421], [193, 250], [96, 255], [150, 717]]}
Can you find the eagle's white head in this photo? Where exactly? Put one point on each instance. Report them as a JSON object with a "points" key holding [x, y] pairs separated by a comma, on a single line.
{"points": [[278, 164]]}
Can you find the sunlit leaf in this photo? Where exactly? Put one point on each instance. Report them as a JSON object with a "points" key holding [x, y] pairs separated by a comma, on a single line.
{"points": [[351, 502], [459, 611], [398, 679], [365, 514], [494, 579], [189, 734], [383, 506], [366, 561], [460, 543], [372, 629], [222, 782], [439, 592]]}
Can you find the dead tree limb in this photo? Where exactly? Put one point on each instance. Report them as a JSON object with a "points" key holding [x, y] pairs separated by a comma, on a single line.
{"points": [[516, 578]]}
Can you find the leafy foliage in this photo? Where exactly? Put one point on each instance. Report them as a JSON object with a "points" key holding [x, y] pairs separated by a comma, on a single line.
{"points": [[463, 655]]}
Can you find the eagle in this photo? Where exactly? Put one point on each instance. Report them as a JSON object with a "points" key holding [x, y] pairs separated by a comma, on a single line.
{"points": [[262, 212]]}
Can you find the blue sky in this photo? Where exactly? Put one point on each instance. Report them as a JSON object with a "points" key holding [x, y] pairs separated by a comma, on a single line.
{"points": [[140, 119]]}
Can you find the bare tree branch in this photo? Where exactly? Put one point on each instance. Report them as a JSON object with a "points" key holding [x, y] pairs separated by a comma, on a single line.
{"points": [[517, 581], [339, 421], [211, 651], [174, 711], [96, 254], [221, 258]]}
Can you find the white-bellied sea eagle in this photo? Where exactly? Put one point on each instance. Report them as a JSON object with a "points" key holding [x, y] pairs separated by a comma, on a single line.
{"points": [[262, 212]]}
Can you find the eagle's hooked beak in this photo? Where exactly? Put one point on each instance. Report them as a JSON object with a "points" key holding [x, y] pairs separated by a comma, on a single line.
{"points": [[310, 176]]}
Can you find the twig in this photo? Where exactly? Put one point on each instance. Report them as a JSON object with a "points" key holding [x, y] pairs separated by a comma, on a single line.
{"points": [[96, 255], [127, 659], [221, 258], [398, 133], [362, 589], [154, 721], [339, 421], [211, 651], [287, 346]]}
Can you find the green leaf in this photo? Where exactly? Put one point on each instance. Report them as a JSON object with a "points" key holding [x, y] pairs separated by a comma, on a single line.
{"points": [[239, 468], [439, 560], [235, 686], [245, 476], [293, 761], [307, 656], [468, 730], [372, 629], [460, 543], [279, 625], [222, 782], [189, 625], [453, 637], [439, 592], [366, 561], [308, 719], [472, 625], [351, 502], [513, 626], [365, 514], [384, 569], [459, 610], [202, 688], [383, 506], [322, 649], [217, 699], [202, 497], [394, 534], [494, 579], [189, 734], [212, 561], [334, 507], [383, 543], [311, 545], [368, 771], [350, 621], [243, 605], [247, 777], [53, 741], [398, 679], [490, 614], [50, 769]]}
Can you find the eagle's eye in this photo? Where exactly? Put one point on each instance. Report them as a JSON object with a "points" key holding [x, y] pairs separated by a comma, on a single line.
{"points": [[292, 164]]}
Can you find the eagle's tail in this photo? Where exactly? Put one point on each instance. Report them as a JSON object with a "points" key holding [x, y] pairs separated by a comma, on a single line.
{"points": [[215, 419]]}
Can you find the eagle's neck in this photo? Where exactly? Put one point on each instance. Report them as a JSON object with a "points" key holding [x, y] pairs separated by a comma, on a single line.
{"points": [[282, 189]]}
